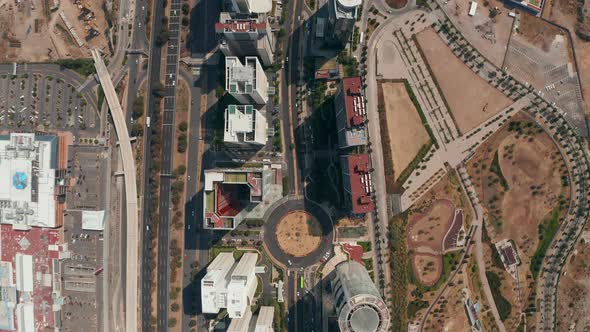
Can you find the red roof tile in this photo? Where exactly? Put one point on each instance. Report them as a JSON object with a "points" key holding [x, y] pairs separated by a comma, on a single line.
{"points": [[360, 183], [354, 101]]}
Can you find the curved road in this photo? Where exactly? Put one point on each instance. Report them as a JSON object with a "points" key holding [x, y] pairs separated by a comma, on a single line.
{"points": [[130, 192]]}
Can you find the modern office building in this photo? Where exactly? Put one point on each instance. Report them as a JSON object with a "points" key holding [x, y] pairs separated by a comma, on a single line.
{"points": [[351, 113], [241, 324], [230, 195], [229, 285], [28, 190], [264, 323], [246, 82], [214, 283], [357, 183], [244, 124], [245, 36], [359, 306], [242, 286], [251, 6], [342, 17]]}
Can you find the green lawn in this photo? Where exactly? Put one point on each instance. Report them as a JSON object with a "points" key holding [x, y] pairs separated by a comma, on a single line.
{"points": [[365, 244], [547, 231]]}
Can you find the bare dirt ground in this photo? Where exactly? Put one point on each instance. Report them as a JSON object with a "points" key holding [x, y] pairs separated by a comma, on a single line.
{"points": [[429, 228], [43, 37], [397, 4], [298, 233], [405, 129], [538, 32], [451, 314], [574, 290], [488, 36], [532, 168], [471, 99], [563, 12], [427, 268]]}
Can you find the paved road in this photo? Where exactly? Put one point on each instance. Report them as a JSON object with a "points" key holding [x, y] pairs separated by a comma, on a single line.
{"points": [[288, 94], [152, 107], [168, 136], [130, 193]]}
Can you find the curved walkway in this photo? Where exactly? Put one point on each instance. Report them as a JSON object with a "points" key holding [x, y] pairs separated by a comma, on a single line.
{"points": [[272, 244], [130, 192]]}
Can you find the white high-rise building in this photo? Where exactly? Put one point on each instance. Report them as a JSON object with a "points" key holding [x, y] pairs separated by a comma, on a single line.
{"points": [[245, 124], [252, 6], [242, 286], [246, 82], [229, 285], [265, 319], [214, 284]]}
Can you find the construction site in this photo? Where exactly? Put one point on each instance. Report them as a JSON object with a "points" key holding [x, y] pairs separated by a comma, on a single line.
{"points": [[42, 30]]}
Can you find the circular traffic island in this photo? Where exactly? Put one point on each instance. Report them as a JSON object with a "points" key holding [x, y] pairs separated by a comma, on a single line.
{"points": [[298, 233]]}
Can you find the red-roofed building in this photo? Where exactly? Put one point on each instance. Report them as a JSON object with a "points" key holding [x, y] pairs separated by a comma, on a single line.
{"points": [[351, 113], [356, 180], [245, 36], [232, 194]]}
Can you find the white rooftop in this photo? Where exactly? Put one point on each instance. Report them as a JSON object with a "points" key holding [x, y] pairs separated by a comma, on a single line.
{"points": [[244, 124], [260, 6], [93, 220], [27, 180]]}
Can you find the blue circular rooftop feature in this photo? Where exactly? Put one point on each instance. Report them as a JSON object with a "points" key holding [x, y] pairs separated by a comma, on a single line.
{"points": [[20, 180]]}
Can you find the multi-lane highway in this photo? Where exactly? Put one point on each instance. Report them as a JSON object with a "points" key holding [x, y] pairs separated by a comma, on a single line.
{"points": [[152, 107], [168, 130]]}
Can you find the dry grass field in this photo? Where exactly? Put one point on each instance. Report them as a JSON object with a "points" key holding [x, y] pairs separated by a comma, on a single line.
{"points": [[405, 129], [429, 228], [517, 174], [451, 316], [470, 98], [427, 268], [574, 290], [298, 233]]}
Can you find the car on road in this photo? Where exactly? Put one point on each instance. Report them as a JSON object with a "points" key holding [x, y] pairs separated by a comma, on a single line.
{"points": [[289, 262]]}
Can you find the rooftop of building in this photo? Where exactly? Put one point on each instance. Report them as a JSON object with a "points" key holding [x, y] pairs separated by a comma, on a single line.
{"points": [[241, 77], [346, 8], [354, 101], [244, 124], [27, 180], [360, 183], [356, 279], [227, 23], [44, 246], [246, 265], [265, 317]]}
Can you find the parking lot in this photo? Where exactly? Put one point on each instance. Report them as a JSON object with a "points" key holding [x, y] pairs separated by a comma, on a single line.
{"points": [[33, 101], [87, 168], [81, 276]]}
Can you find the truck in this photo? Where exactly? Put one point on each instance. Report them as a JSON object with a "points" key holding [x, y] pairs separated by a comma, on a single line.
{"points": [[147, 121]]}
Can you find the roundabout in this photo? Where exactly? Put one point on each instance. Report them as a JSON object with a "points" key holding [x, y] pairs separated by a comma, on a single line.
{"points": [[298, 233]]}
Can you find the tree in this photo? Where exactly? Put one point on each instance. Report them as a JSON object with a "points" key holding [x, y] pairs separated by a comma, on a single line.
{"points": [[175, 307], [185, 21], [172, 322], [185, 8], [183, 126], [158, 90], [180, 170]]}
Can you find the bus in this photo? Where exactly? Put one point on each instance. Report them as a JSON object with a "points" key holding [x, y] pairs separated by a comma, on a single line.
{"points": [[301, 282]]}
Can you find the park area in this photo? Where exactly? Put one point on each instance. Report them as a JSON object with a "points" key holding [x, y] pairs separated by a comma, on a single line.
{"points": [[471, 100], [428, 223], [574, 288], [521, 179], [298, 233]]}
